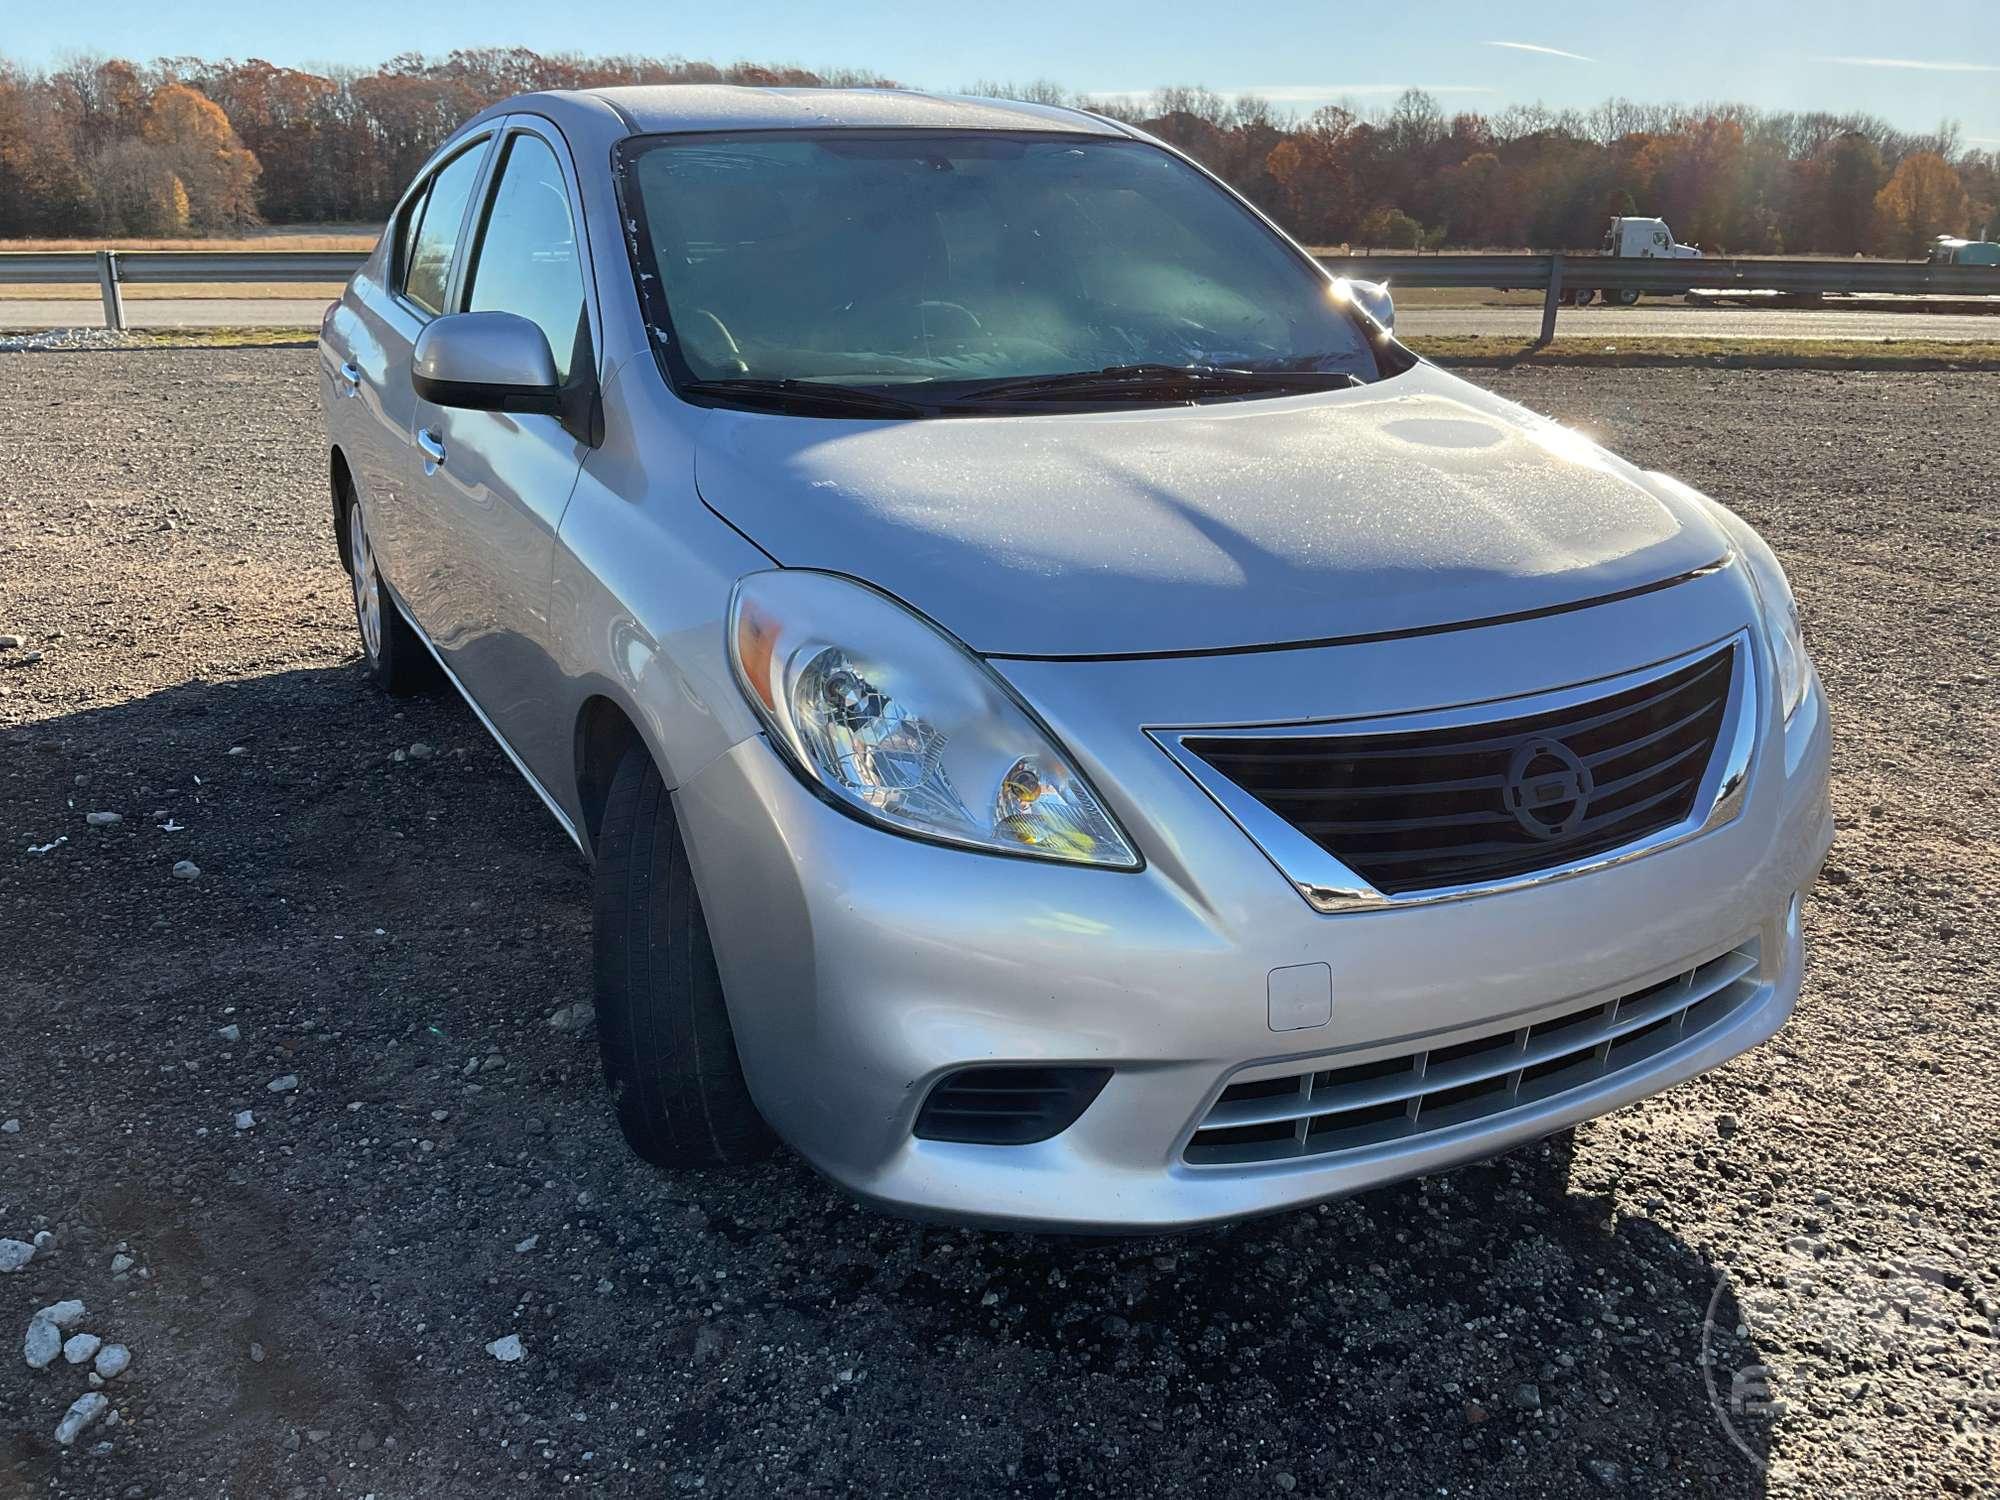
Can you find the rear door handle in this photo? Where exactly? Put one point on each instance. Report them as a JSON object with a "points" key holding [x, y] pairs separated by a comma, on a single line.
{"points": [[432, 444], [351, 373]]}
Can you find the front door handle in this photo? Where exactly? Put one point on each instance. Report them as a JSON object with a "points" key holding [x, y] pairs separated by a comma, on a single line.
{"points": [[432, 444]]}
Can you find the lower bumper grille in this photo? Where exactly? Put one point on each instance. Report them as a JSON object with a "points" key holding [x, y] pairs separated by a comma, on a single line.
{"points": [[1009, 1105], [1414, 1094]]}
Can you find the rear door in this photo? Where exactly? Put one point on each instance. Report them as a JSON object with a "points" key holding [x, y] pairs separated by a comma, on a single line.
{"points": [[424, 237], [496, 483]]}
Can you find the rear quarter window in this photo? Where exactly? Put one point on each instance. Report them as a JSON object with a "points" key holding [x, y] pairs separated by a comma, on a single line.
{"points": [[438, 218]]}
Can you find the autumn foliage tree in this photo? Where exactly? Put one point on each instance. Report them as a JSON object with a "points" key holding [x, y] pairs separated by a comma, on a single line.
{"points": [[186, 144], [137, 190], [42, 186], [1922, 199], [199, 146]]}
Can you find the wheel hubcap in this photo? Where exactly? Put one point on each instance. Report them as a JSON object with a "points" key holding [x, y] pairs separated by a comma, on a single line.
{"points": [[367, 586]]}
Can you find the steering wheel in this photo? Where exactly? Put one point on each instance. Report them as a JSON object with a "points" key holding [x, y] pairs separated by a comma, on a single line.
{"points": [[723, 340]]}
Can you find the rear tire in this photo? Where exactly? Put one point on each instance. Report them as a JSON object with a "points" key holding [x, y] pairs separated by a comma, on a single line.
{"points": [[396, 658], [1628, 297], [663, 1028]]}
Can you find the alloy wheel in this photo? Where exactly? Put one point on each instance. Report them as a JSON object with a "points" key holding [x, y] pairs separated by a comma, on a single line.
{"points": [[367, 584]]}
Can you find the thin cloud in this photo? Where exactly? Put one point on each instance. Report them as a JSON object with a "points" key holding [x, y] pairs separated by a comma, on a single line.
{"points": [[1306, 93], [1545, 51], [1911, 62]]}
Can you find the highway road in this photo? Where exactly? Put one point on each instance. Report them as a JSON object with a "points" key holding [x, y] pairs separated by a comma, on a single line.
{"points": [[1660, 320], [1652, 320]]}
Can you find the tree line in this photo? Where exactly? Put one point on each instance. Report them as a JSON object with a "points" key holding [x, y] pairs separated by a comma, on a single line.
{"points": [[185, 145]]}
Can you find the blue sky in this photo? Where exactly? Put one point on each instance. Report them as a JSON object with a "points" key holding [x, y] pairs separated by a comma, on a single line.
{"points": [[1831, 54]]}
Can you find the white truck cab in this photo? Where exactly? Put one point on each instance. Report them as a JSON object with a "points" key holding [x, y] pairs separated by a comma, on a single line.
{"points": [[1629, 236], [1646, 237]]}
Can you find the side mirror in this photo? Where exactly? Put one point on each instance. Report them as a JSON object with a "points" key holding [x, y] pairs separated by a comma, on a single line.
{"points": [[1372, 297], [486, 361]]}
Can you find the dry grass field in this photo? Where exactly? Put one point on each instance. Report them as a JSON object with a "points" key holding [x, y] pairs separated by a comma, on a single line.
{"points": [[356, 237]]}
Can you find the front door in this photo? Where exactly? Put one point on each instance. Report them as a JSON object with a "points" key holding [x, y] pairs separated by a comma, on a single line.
{"points": [[427, 229], [496, 483]]}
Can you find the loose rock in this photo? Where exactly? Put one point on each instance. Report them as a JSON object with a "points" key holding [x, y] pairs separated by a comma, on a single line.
{"points": [[79, 1348], [83, 1413], [507, 1349], [42, 1343], [283, 1085], [245, 1119], [15, 1254], [232, 1033], [104, 819], [64, 1314], [113, 1360], [186, 869]]}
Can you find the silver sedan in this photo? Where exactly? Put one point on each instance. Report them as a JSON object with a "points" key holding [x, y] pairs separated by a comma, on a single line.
{"points": [[1073, 724]]}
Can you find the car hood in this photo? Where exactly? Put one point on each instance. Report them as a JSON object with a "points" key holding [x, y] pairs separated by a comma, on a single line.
{"points": [[1406, 505]]}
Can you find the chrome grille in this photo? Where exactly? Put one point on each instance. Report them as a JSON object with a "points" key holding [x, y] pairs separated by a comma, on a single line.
{"points": [[1441, 807], [1412, 1094]]}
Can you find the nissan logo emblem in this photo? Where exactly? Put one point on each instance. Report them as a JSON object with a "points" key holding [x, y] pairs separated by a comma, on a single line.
{"points": [[1547, 788]]}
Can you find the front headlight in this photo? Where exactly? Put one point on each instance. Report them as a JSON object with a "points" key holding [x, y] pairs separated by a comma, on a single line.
{"points": [[1781, 618], [1774, 596], [905, 726]]}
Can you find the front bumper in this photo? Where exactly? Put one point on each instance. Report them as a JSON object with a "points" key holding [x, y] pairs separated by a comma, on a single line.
{"points": [[862, 967]]}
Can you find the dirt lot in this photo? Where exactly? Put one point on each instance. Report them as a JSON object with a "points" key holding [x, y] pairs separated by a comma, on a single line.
{"points": [[308, 1300]]}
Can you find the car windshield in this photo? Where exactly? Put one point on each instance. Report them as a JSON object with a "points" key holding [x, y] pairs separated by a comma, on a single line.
{"points": [[928, 263]]}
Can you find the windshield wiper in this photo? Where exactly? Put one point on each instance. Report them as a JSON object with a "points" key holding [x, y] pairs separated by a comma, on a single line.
{"points": [[805, 396], [1191, 381]]}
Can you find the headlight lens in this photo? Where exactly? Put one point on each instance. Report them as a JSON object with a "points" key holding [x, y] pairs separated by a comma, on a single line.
{"points": [[1774, 597], [1781, 620], [905, 726]]}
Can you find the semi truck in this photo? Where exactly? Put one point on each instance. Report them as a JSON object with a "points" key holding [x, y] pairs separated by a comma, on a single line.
{"points": [[1630, 236]]}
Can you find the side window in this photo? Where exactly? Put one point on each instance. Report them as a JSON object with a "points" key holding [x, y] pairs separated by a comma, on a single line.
{"points": [[527, 259], [427, 268], [406, 232]]}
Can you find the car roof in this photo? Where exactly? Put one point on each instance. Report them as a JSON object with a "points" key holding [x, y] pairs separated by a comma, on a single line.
{"points": [[650, 109]]}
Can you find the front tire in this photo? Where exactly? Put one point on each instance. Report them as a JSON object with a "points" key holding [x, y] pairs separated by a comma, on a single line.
{"points": [[1628, 297], [663, 1029], [396, 658]]}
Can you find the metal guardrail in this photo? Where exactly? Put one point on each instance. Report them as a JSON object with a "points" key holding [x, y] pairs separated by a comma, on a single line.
{"points": [[1554, 274], [113, 269], [1550, 274]]}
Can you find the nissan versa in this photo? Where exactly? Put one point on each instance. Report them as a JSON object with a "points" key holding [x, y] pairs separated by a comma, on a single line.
{"points": [[1074, 725]]}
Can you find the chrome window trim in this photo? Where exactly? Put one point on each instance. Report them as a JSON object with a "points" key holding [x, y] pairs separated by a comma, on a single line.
{"points": [[1328, 885]]}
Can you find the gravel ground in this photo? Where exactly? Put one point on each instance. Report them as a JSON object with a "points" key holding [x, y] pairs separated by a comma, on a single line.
{"points": [[308, 1290]]}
